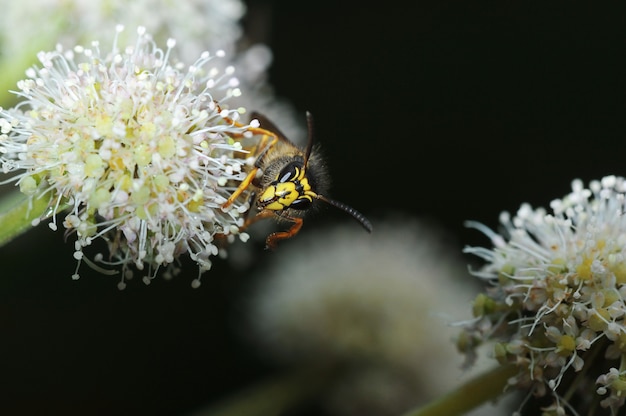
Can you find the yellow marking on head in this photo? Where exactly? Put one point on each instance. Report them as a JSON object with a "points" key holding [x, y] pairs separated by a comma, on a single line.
{"points": [[286, 190], [279, 196]]}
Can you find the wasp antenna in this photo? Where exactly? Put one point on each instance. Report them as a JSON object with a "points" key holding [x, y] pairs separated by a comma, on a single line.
{"points": [[348, 209], [309, 145]]}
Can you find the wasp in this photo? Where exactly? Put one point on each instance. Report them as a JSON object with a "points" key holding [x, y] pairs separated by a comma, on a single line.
{"points": [[287, 181]]}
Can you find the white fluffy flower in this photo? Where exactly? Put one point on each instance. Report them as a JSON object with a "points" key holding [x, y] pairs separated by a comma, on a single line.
{"points": [[140, 150], [557, 304]]}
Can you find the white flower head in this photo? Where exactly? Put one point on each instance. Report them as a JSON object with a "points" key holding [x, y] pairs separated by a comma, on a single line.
{"points": [[144, 153], [557, 301]]}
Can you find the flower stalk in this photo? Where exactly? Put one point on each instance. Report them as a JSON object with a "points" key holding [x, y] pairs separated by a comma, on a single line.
{"points": [[274, 396], [479, 390]]}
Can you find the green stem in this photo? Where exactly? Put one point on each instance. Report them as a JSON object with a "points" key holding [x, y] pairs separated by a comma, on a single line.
{"points": [[477, 391], [17, 212], [272, 397]]}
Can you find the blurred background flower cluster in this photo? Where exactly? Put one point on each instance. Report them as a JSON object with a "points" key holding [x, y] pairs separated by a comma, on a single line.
{"points": [[429, 114]]}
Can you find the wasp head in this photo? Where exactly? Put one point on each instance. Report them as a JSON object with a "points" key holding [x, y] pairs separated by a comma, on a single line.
{"points": [[297, 182], [290, 189]]}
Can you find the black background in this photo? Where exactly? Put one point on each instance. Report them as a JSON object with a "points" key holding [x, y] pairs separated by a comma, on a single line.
{"points": [[442, 110]]}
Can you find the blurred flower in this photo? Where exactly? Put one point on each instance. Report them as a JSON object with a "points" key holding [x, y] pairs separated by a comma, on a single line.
{"points": [[378, 306], [197, 25], [137, 148], [555, 303]]}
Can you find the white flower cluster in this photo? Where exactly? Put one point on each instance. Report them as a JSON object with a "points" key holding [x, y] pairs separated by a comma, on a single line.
{"points": [[143, 152], [556, 304]]}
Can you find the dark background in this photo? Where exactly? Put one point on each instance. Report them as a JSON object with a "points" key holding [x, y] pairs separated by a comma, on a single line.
{"points": [[445, 110]]}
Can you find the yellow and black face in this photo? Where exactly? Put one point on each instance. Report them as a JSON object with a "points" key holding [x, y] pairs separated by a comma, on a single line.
{"points": [[291, 189]]}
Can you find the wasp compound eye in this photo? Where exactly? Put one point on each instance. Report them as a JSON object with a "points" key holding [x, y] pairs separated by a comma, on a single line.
{"points": [[302, 203], [290, 172]]}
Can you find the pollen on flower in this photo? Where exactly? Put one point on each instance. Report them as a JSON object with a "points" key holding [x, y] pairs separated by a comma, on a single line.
{"points": [[142, 153], [558, 294]]}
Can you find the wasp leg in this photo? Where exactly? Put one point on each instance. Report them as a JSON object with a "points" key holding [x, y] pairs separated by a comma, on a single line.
{"points": [[242, 187], [222, 238], [260, 216], [260, 150], [265, 134], [265, 146], [272, 240]]}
